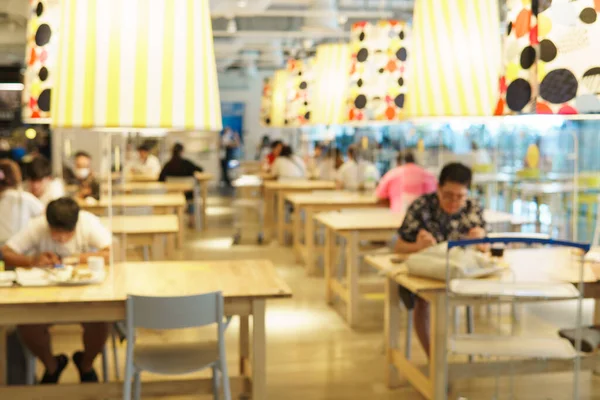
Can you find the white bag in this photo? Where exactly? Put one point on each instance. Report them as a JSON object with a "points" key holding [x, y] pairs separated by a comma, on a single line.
{"points": [[464, 263]]}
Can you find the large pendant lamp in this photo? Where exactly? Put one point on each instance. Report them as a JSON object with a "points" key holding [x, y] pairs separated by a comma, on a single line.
{"points": [[136, 64], [455, 58], [332, 68], [378, 74], [266, 102], [279, 99], [40, 59]]}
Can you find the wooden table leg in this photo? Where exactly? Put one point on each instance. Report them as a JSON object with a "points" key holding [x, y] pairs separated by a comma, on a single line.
{"points": [[170, 246], [309, 240], [3, 356], [391, 329], [297, 218], [352, 267], [245, 351], [328, 262], [281, 218], [180, 215], [269, 218], [438, 347], [259, 350], [204, 195], [158, 247], [596, 322]]}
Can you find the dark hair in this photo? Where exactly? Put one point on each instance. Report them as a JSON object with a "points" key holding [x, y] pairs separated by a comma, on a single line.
{"points": [[353, 152], [10, 174], [39, 168], [405, 157], [177, 151], [457, 173], [63, 214], [83, 154], [276, 143], [286, 151], [144, 147]]}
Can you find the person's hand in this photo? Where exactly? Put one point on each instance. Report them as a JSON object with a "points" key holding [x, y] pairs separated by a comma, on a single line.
{"points": [[46, 259], [479, 233], [425, 239], [476, 233]]}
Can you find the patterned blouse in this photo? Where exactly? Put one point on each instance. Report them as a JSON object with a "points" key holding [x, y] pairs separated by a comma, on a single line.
{"points": [[426, 213]]}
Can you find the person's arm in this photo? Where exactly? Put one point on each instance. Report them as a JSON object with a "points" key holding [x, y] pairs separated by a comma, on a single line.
{"points": [[383, 189], [15, 259], [412, 237], [99, 238], [163, 174]]}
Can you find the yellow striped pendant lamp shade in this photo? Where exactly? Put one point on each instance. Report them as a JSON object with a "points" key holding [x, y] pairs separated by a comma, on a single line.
{"points": [[332, 79], [279, 99], [136, 64], [455, 59]]}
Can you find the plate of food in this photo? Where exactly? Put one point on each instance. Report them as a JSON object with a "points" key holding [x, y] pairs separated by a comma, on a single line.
{"points": [[7, 278], [70, 276]]}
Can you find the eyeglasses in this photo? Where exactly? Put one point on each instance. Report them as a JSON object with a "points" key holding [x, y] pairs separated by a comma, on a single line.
{"points": [[454, 197]]}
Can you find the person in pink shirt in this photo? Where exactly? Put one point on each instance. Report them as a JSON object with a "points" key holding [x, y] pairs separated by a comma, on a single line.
{"points": [[405, 183]]}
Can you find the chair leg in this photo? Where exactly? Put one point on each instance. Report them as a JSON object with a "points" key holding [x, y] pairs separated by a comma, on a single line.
{"points": [[409, 331], [146, 253], [30, 367], [215, 382], [470, 324], [225, 376], [127, 379], [115, 349], [104, 364], [137, 385]]}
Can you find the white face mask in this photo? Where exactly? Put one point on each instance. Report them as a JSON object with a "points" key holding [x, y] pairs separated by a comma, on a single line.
{"points": [[82, 173]]}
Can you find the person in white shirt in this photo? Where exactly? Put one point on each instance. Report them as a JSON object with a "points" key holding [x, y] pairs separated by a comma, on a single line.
{"points": [[41, 183], [17, 207], [357, 174], [146, 163], [65, 231], [288, 165]]}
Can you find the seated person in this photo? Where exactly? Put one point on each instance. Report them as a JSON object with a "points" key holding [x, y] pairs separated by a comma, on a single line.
{"points": [[65, 231], [405, 183], [178, 166], [41, 183], [146, 163], [288, 165], [355, 173], [447, 214], [269, 160], [84, 177], [17, 207]]}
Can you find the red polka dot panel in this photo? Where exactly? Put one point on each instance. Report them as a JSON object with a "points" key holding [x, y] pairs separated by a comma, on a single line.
{"points": [[569, 66], [41, 55], [300, 87], [378, 74], [266, 102]]}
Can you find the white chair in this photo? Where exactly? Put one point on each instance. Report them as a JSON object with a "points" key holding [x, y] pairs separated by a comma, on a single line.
{"points": [[168, 313]]}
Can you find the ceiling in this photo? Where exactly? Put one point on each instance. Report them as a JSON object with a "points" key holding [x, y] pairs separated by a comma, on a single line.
{"points": [[249, 34]]}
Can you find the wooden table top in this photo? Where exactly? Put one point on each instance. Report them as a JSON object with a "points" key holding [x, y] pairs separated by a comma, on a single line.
{"points": [[334, 198], [499, 217], [252, 279], [300, 184], [361, 220], [527, 265], [139, 200], [248, 181], [142, 224]]}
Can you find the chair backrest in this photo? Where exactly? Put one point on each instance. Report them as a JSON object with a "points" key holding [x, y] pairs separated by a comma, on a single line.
{"points": [[164, 313]]}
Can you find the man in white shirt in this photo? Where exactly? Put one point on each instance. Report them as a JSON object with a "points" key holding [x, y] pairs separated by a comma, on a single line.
{"points": [[146, 163], [64, 232], [41, 183], [355, 174]]}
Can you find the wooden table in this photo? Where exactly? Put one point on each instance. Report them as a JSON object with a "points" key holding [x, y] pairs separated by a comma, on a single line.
{"points": [[353, 226], [246, 286], [275, 192], [170, 203], [527, 264], [155, 231], [310, 204]]}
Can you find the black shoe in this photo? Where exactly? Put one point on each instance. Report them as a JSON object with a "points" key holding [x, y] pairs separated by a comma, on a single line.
{"points": [[61, 362], [84, 377]]}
